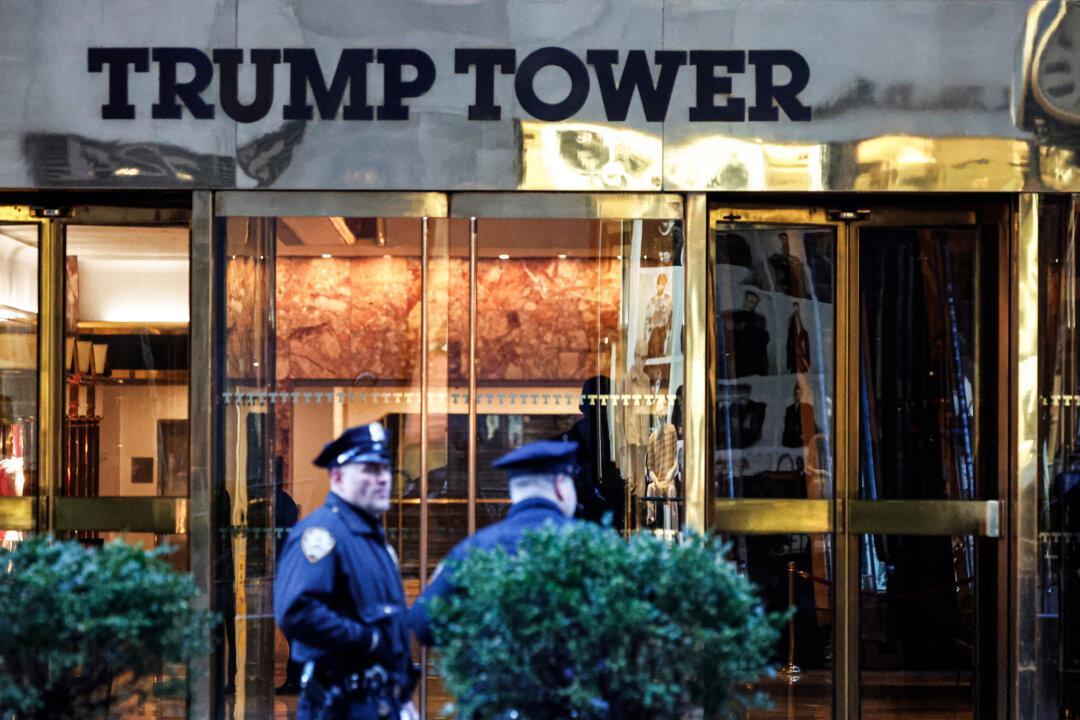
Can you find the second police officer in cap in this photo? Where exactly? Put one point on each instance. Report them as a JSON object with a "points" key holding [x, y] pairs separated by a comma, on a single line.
{"points": [[338, 596], [541, 492]]}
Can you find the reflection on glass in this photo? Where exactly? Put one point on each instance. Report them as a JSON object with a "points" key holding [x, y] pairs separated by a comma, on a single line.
{"points": [[922, 302], [126, 361], [774, 358], [790, 572], [323, 333], [579, 336], [18, 364], [920, 306], [917, 639], [1057, 659]]}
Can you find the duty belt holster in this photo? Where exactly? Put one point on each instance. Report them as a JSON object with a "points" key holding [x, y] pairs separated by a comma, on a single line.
{"points": [[331, 693]]}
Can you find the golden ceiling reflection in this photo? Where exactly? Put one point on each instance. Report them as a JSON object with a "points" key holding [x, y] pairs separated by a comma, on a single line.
{"points": [[884, 163], [589, 156]]}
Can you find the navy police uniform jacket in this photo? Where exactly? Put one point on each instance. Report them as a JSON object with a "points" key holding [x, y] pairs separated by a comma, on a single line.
{"points": [[530, 514], [336, 585]]}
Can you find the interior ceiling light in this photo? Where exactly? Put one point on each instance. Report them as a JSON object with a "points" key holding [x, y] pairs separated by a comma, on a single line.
{"points": [[504, 256], [327, 256], [562, 256]]}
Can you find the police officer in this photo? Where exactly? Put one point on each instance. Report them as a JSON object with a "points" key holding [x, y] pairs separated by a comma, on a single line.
{"points": [[338, 596], [541, 492]]}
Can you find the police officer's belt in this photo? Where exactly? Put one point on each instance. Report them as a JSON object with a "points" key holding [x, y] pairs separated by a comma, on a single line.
{"points": [[328, 687]]}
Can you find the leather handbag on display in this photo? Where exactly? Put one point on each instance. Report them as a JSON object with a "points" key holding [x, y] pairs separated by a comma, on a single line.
{"points": [[787, 481]]}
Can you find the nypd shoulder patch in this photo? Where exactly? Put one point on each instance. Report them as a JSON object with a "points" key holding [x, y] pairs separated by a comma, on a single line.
{"points": [[316, 542]]}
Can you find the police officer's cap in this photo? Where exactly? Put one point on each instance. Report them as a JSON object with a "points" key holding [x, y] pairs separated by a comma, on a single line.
{"points": [[544, 457], [361, 444]]}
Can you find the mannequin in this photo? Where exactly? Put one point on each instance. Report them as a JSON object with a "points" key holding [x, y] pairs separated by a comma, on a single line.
{"points": [[634, 421], [663, 470], [658, 319]]}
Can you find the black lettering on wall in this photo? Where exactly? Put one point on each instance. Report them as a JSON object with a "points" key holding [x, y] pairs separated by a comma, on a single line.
{"points": [[570, 64], [787, 95], [709, 85], [228, 84], [118, 59], [636, 75], [172, 93], [396, 88], [305, 72], [485, 60]]}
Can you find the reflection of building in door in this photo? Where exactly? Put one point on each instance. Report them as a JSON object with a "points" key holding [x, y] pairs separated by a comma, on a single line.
{"points": [[172, 454]]}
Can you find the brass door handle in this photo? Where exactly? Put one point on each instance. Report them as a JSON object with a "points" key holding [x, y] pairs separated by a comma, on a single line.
{"points": [[925, 517]]}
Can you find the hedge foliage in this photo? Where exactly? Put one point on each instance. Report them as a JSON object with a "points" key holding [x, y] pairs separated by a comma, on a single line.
{"points": [[582, 624]]}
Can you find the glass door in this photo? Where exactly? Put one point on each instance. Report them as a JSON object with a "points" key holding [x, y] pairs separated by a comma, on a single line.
{"points": [[94, 329], [859, 421], [21, 235]]}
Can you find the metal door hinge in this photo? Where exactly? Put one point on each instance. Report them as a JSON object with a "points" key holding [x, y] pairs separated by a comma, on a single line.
{"points": [[53, 212], [847, 214]]}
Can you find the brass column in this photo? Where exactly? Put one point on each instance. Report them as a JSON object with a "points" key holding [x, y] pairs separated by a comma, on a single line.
{"points": [[1023, 525], [50, 371], [696, 446]]}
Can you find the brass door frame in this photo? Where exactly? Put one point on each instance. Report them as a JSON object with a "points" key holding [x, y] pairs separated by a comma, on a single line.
{"points": [[47, 511], [844, 515], [25, 513]]}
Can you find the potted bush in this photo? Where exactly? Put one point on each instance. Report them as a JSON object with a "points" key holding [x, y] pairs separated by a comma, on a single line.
{"points": [[87, 628], [582, 624]]}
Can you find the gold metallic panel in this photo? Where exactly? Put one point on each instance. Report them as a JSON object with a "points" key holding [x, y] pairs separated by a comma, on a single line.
{"points": [[200, 438], [696, 441], [924, 517], [50, 370], [163, 516], [567, 206], [104, 215], [17, 213], [1024, 363], [884, 163], [590, 156], [327, 204], [772, 517], [17, 513]]}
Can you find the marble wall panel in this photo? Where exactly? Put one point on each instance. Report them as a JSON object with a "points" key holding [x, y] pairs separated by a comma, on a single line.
{"points": [[537, 319]]}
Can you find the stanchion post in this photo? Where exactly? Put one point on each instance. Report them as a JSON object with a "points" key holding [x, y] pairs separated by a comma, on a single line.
{"points": [[791, 671]]}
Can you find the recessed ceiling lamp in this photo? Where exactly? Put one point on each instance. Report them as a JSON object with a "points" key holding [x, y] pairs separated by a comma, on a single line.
{"points": [[562, 256], [504, 256], [327, 256]]}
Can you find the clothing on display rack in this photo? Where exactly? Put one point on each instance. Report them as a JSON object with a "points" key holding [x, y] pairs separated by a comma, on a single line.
{"points": [[739, 422], [600, 487], [732, 249], [798, 343], [819, 249], [658, 319], [799, 423], [745, 339], [788, 271], [634, 422], [662, 461]]}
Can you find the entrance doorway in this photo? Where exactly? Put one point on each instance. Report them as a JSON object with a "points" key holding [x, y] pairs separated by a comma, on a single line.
{"points": [[860, 392], [94, 377]]}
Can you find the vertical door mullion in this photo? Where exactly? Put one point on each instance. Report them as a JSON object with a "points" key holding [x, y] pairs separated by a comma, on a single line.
{"points": [[471, 480], [696, 381], [50, 370], [846, 589]]}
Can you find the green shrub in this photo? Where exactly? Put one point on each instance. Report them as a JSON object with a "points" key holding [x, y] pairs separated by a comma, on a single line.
{"points": [[581, 624], [85, 628]]}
